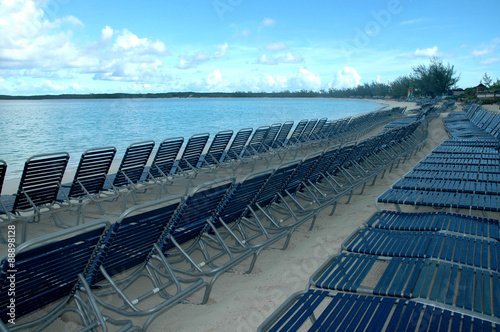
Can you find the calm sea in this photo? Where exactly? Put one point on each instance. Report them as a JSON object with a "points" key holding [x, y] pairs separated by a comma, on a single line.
{"points": [[45, 126]]}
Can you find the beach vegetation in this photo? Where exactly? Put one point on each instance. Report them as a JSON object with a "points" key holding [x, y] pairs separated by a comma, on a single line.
{"points": [[435, 79]]}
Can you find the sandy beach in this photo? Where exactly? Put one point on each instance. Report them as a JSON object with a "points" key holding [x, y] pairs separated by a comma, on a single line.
{"points": [[241, 302]]}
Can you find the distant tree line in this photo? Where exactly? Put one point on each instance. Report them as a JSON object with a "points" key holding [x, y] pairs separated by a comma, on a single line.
{"points": [[426, 81], [433, 80]]}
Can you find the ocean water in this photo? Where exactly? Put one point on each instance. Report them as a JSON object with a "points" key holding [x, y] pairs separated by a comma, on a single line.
{"points": [[46, 126]]}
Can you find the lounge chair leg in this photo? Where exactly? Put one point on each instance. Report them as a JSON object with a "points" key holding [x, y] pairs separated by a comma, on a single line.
{"points": [[350, 196], [363, 189], [209, 287], [254, 259], [334, 207], [314, 221]]}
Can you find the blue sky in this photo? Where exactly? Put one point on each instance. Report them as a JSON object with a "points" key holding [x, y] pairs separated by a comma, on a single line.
{"points": [[107, 46]]}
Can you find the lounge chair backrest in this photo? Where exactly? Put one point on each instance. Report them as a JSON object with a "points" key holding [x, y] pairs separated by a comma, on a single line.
{"points": [[277, 182], [271, 136], [131, 238], [283, 134], [255, 143], [3, 171], [202, 205], [243, 194], [48, 267], [298, 131], [165, 157], [324, 131], [343, 154], [318, 127], [92, 170], [359, 151], [238, 143], [327, 158], [341, 126], [308, 129], [302, 171], [41, 180], [218, 146], [133, 163], [193, 150]]}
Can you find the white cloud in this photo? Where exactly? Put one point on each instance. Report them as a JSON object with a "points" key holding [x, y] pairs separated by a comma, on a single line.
{"points": [[424, 53], [347, 77], [186, 61], [29, 40], [490, 61], [289, 58], [268, 22], [193, 61], [221, 51], [107, 34], [267, 60], [265, 82], [414, 21], [278, 46], [212, 82], [39, 46], [486, 49], [304, 79], [127, 41]]}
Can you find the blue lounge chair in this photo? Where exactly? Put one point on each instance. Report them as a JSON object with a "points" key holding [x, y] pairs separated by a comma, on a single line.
{"points": [[50, 270], [268, 201], [130, 172], [467, 250], [278, 146], [129, 255], [38, 189], [271, 136], [212, 159], [233, 153], [436, 221], [188, 162], [3, 171], [162, 169], [239, 225], [282, 136], [4, 216], [329, 311], [90, 178], [189, 232], [297, 131], [252, 151], [436, 281]]}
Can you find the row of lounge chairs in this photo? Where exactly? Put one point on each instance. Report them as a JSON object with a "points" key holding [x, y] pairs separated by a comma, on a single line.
{"points": [[404, 272], [41, 190], [183, 244], [461, 173], [458, 174], [475, 122], [429, 271]]}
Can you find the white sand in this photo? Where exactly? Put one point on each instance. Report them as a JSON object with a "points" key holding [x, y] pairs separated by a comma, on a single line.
{"points": [[241, 302]]}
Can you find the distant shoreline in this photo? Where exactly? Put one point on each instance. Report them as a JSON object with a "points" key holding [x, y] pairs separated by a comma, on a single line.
{"points": [[168, 95]]}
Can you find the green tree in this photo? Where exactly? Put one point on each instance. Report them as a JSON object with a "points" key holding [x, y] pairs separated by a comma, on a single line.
{"points": [[400, 86], [486, 80], [435, 79]]}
